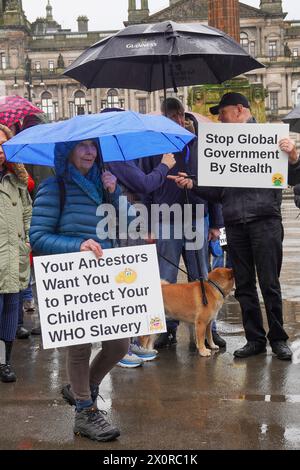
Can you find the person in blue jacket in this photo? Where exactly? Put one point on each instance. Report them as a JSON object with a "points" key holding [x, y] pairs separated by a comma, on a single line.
{"points": [[70, 227]]}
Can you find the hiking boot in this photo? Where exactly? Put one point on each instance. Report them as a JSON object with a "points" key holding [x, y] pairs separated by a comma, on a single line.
{"points": [[68, 396], [130, 360], [22, 333], [7, 374], [143, 353], [90, 422]]}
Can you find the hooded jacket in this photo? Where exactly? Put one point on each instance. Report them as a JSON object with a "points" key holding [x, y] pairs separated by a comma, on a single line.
{"points": [[56, 229], [15, 214]]}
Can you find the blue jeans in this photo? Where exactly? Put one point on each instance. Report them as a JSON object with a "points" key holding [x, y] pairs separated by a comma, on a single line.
{"points": [[172, 250], [27, 293]]}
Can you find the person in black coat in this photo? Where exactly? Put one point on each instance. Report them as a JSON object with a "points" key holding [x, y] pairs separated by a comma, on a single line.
{"points": [[254, 235]]}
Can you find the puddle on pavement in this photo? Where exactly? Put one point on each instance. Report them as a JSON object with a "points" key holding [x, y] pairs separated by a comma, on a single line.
{"points": [[267, 398]]}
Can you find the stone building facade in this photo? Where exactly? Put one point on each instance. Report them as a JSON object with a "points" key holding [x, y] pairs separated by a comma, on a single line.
{"points": [[33, 56]]}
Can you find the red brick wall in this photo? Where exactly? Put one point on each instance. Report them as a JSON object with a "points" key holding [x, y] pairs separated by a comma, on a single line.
{"points": [[225, 15]]}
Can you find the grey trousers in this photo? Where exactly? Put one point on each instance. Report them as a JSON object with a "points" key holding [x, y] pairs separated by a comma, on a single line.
{"points": [[82, 374]]}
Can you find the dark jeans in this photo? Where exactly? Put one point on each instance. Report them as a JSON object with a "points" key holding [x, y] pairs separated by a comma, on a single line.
{"points": [[9, 310], [256, 247]]}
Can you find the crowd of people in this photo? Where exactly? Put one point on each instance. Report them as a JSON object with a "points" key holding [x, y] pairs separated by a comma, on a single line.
{"points": [[252, 218]]}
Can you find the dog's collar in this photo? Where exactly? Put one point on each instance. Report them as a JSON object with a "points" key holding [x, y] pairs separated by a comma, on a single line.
{"points": [[213, 283]]}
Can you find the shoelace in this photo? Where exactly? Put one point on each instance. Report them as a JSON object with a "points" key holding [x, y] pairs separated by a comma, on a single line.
{"points": [[97, 417], [142, 349]]}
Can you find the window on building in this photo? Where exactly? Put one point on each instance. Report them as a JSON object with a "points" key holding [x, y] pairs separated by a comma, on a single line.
{"points": [[47, 105], [142, 105], [272, 49], [56, 113], [80, 102], [295, 52], [103, 104], [51, 65], [71, 109], [298, 95], [122, 103], [3, 62], [274, 101], [112, 98], [244, 41], [37, 66], [89, 107], [252, 48]]}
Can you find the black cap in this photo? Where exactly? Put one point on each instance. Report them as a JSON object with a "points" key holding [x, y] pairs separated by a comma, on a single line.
{"points": [[230, 99]]}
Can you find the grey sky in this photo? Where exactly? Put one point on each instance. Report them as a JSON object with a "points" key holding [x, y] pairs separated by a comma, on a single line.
{"points": [[110, 14]]}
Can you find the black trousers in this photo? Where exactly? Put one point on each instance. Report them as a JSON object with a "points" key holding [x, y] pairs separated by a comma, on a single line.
{"points": [[256, 247]]}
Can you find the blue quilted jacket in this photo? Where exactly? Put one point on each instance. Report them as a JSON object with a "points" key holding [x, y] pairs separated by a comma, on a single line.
{"points": [[56, 230]]}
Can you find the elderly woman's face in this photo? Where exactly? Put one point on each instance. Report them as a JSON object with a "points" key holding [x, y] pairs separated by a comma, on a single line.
{"points": [[3, 139], [83, 156]]}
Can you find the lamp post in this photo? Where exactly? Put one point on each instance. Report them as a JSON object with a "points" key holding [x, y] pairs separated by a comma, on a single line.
{"points": [[28, 77]]}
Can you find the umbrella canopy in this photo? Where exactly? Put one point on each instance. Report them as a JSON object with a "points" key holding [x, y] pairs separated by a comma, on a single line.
{"points": [[121, 136], [13, 108], [293, 119], [162, 55]]}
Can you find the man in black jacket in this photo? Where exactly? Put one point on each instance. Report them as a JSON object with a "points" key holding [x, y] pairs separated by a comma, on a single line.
{"points": [[254, 236]]}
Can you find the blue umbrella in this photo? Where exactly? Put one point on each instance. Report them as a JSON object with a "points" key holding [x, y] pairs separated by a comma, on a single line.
{"points": [[121, 136]]}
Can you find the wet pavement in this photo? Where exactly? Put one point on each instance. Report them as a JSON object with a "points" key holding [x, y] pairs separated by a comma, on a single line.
{"points": [[180, 400]]}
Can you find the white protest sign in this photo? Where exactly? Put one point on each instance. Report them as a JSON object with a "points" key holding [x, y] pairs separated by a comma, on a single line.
{"points": [[242, 155], [223, 238], [85, 300]]}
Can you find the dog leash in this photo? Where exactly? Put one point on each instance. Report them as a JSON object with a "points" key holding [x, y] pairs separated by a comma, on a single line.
{"points": [[204, 298], [213, 283]]}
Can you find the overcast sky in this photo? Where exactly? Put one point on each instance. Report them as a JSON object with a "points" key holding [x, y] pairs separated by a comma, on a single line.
{"points": [[110, 14]]}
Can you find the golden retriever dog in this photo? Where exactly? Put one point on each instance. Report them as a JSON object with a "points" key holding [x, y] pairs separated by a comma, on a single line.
{"points": [[184, 302]]}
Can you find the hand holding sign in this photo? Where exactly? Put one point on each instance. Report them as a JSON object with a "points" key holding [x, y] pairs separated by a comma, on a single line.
{"points": [[243, 155], [91, 245], [288, 146]]}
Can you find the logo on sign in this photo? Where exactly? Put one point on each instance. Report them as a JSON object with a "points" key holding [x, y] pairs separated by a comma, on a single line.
{"points": [[277, 179], [128, 276]]}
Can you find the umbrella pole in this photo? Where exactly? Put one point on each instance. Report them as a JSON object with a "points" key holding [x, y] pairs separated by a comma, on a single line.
{"points": [[164, 85]]}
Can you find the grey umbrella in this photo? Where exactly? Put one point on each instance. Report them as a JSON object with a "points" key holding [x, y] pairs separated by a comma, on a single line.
{"points": [[162, 55], [293, 119]]}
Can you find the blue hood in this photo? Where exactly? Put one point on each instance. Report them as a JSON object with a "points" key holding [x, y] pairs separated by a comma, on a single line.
{"points": [[62, 152]]}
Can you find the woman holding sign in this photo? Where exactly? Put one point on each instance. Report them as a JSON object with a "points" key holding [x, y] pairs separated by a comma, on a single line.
{"points": [[64, 221]]}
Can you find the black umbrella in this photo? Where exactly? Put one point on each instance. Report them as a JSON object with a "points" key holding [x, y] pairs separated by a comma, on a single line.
{"points": [[162, 55], [293, 119]]}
